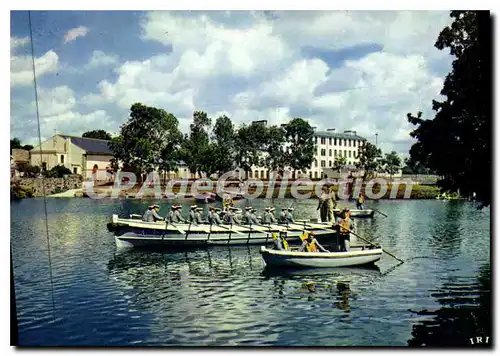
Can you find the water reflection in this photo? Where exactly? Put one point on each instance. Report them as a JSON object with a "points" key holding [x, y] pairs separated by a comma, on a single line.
{"points": [[465, 314]]}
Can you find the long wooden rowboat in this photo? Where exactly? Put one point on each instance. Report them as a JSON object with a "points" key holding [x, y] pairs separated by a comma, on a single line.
{"points": [[365, 213], [356, 257], [137, 233]]}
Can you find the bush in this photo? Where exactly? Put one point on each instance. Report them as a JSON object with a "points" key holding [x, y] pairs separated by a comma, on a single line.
{"points": [[57, 172]]}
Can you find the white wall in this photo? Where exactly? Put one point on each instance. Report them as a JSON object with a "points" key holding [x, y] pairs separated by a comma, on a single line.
{"points": [[102, 162]]}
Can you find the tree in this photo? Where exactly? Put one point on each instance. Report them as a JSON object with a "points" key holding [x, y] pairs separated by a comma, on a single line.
{"points": [[195, 147], [100, 134], [28, 170], [224, 142], [457, 141], [339, 163], [144, 138], [27, 147], [249, 146], [275, 158], [299, 139], [369, 159], [392, 163], [57, 172], [15, 143]]}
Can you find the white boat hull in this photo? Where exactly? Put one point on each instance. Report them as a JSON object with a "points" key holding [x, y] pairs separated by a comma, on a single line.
{"points": [[136, 233], [365, 213], [320, 259]]}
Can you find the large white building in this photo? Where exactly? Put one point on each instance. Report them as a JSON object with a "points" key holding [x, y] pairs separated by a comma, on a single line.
{"points": [[329, 145]]}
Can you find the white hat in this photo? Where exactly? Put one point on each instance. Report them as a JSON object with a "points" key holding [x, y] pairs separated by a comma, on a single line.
{"points": [[194, 206], [271, 209]]}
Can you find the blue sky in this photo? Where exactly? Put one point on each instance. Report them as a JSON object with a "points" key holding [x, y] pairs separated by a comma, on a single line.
{"points": [[343, 69]]}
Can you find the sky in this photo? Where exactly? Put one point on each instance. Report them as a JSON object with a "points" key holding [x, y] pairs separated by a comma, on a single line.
{"points": [[348, 70]]}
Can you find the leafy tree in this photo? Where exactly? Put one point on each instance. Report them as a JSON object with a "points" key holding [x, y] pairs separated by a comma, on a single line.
{"points": [[100, 134], [195, 146], [249, 146], [369, 159], [457, 141], [147, 134], [275, 158], [339, 163], [299, 139], [224, 145], [392, 163], [15, 143]]}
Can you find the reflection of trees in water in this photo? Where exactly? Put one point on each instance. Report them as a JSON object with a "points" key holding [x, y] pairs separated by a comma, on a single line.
{"points": [[446, 236], [466, 313]]}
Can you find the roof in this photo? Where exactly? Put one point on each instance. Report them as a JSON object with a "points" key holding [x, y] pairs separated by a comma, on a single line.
{"points": [[90, 145], [338, 135]]}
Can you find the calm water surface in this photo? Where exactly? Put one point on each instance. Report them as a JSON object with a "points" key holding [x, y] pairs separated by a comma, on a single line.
{"points": [[224, 296]]}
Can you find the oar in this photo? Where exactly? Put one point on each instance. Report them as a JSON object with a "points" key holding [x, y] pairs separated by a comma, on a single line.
{"points": [[378, 211], [390, 254]]}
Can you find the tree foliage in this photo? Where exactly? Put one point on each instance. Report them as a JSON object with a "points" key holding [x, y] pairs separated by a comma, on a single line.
{"points": [[299, 139], [339, 163], [14, 143], [369, 159], [99, 134], [224, 145], [56, 172], [149, 137], [250, 140], [195, 146], [391, 163], [275, 158], [456, 143]]}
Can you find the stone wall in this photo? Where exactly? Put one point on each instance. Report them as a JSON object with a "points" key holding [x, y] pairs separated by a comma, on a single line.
{"points": [[52, 185]]}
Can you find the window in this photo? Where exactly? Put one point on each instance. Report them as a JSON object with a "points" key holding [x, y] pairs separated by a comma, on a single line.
{"points": [[310, 174], [340, 142], [315, 163], [323, 152], [250, 174], [44, 166], [256, 174], [330, 141], [335, 141], [75, 170], [323, 164], [62, 159], [316, 139], [345, 153], [267, 174], [315, 174], [354, 143], [262, 174], [323, 140], [349, 154], [329, 163], [349, 142], [330, 152], [334, 153], [345, 142]]}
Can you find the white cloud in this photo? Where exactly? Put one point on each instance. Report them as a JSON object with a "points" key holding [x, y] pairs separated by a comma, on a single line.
{"points": [[21, 67], [251, 67], [101, 59], [74, 33], [18, 42]]}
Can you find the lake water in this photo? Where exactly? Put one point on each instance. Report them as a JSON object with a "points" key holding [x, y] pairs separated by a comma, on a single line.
{"points": [[224, 296]]}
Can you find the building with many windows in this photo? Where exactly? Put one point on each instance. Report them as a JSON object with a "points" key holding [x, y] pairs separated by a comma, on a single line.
{"points": [[329, 145]]}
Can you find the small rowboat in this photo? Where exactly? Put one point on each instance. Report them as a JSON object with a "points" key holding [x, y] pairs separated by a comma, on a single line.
{"points": [[365, 213], [359, 255]]}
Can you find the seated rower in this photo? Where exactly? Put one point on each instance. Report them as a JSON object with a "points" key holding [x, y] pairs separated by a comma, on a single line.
{"points": [[192, 214], [268, 218], [280, 242], [310, 244], [282, 218], [213, 217], [230, 217], [151, 215], [177, 215], [198, 217], [171, 215], [289, 216], [254, 215], [271, 214], [248, 217]]}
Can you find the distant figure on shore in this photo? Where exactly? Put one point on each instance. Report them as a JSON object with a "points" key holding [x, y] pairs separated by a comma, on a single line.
{"points": [[360, 201], [151, 215], [213, 218]]}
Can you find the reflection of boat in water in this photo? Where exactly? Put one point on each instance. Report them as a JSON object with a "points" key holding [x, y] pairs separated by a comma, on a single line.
{"points": [[358, 255], [137, 233], [365, 213]]}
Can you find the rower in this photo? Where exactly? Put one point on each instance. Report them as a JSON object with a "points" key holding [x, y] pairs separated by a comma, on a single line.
{"points": [[177, 214], [249, 217], [271, 214], [282, 218], [198, 218], [310, 244], [345, 224], [230, 217], [192, 213], [289, 216], [171, 215], [254, 215], [213, 218], [151, 215], [268, 217], [280, 242]]}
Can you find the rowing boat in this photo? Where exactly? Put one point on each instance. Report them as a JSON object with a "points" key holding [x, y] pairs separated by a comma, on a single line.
{"points": [[359, 255], [137, 233]]}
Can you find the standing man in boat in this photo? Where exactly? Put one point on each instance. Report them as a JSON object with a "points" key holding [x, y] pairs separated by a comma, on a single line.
{"points": [[151, 215], [213, 218], [332, 204], [345, 224], [310, 244], [360, 201], [323, 204]]}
